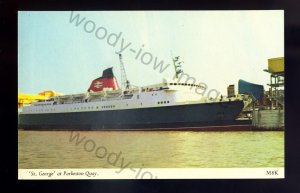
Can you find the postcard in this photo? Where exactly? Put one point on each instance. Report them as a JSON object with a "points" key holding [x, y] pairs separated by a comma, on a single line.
{"points": [[151, 94]]}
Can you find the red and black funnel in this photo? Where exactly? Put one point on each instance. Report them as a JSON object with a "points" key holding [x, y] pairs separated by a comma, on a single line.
{"points": [[107, 80]]}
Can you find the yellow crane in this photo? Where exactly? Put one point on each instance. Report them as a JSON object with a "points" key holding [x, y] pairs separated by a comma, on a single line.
{"points": [[24, 98]]}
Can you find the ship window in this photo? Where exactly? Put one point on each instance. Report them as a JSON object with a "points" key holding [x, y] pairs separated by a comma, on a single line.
{"points": [[158, 102], [141, 103], [165, 102], [175, 83], [171, 83], [168, 101], [97, 107], [185, 84]]}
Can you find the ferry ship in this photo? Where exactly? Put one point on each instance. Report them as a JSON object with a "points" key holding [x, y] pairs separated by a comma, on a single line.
{"points": [[105, 106]]}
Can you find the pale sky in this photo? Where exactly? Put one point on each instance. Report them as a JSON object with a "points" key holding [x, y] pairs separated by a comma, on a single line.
{"points": [[218, 47]]}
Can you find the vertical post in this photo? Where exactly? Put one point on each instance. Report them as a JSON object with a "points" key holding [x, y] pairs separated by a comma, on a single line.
{"points": [[276, 91], [271, 92], [175, 68]]}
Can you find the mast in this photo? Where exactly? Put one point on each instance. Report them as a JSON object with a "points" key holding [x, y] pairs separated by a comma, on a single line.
{"points": [[125, 82], [177, 66]]}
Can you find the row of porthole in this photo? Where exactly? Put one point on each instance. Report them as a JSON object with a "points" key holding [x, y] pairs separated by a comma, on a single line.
{"points": [[83, 108], [41, 110], [75, 108], [185, 84], [163, 102], [103, 107], [111, 106]]}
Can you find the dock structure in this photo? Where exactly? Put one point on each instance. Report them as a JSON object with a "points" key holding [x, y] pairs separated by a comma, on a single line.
{"points": [[276, 71], [272, 117]]}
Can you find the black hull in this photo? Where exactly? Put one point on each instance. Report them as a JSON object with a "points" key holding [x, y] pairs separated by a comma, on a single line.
{"points": [[168, 117]]}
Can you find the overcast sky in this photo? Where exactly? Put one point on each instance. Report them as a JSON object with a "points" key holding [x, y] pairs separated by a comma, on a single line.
{"points": [[218, 47]]}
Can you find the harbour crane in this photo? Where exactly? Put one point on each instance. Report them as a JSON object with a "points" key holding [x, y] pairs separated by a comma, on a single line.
{"points": [[125, 82]]}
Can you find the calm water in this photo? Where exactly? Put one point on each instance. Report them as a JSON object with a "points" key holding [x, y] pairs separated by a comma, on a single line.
{"points": [[155, 149]]}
